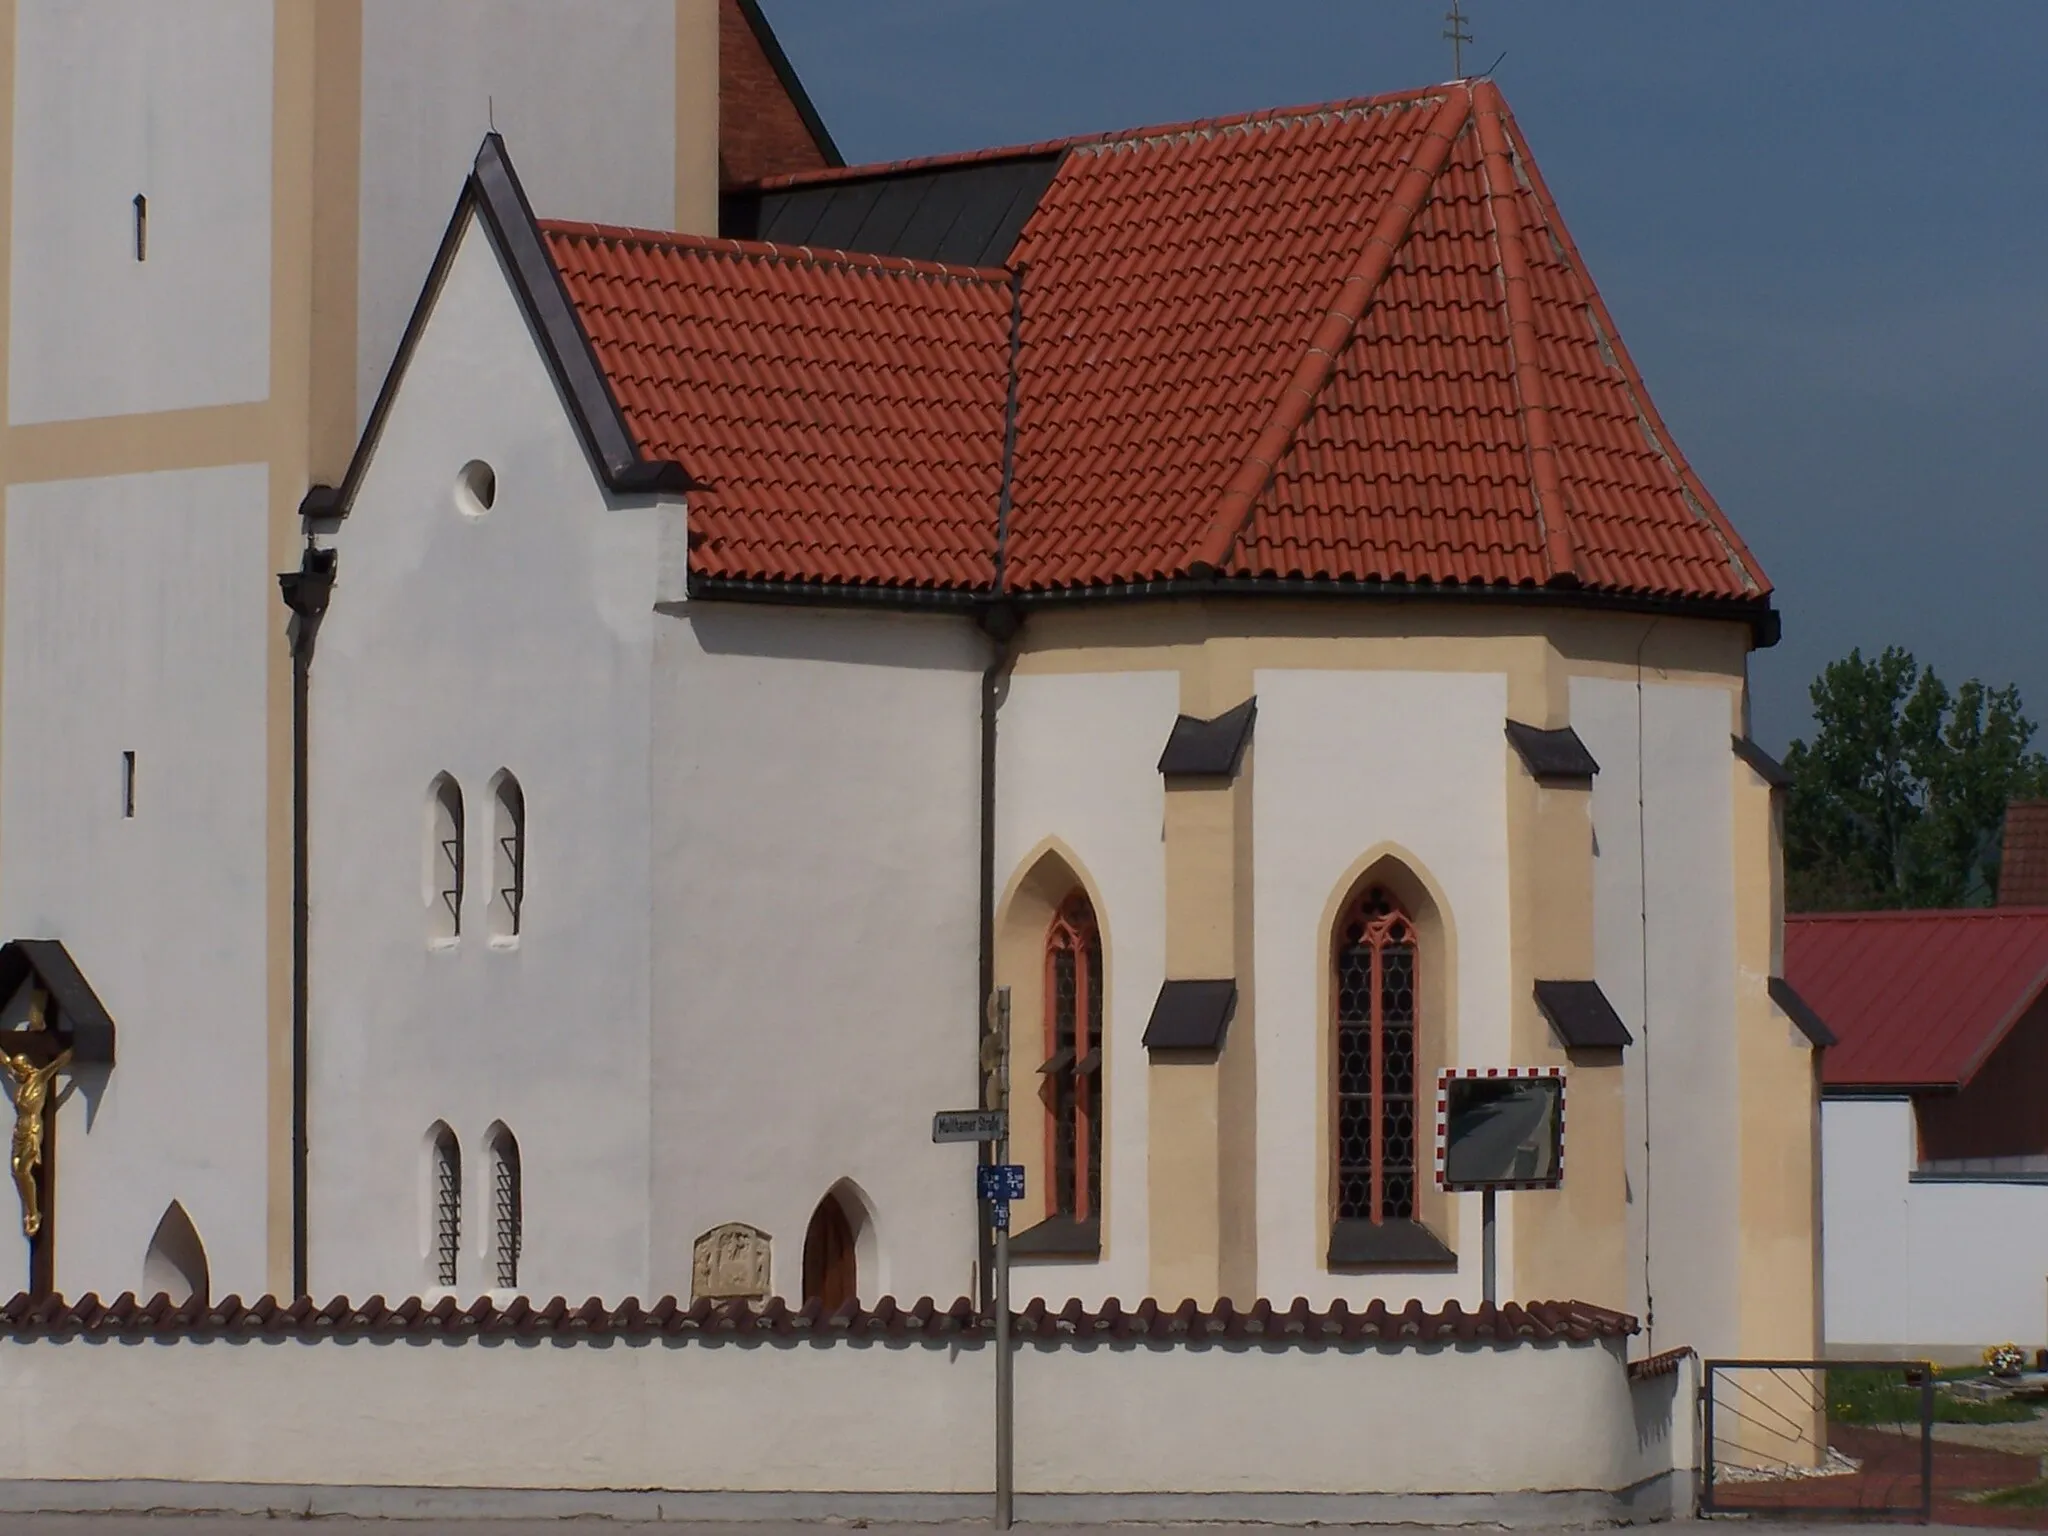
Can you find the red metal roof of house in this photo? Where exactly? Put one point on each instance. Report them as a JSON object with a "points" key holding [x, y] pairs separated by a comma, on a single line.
{"points": [[2023, 856], [1344, 343], [1917, 999]]}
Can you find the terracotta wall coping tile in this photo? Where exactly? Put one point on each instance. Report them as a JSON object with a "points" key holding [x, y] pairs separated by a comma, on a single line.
{"points": [[51, 1317]]}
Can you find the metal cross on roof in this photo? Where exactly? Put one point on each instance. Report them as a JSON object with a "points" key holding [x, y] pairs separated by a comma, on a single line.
{"points": [[1456, 35]]}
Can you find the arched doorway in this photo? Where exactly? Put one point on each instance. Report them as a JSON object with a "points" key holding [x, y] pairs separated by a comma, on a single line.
{"points": [[830, 1267]]}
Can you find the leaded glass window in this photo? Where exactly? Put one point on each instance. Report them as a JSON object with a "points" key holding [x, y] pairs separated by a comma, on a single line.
{"points": [[1375, 1124], [1073, 1066]]}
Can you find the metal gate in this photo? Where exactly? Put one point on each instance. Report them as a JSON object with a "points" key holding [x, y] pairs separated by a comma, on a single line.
{"points": [[1817, 1437]]}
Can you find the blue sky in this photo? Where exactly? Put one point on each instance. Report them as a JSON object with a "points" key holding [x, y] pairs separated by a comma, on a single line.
{"points": [[1820, 226]]}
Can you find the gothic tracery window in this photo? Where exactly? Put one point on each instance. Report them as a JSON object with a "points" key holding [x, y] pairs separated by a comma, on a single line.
{"points": [[1073, 1067], [1375, 1121]]}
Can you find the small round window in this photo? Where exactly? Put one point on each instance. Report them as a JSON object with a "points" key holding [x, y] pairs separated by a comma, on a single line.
{"points": [[475, 488]]}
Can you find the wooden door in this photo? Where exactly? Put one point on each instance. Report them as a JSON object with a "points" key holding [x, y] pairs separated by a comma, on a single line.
{"points": [[829, 1273]]}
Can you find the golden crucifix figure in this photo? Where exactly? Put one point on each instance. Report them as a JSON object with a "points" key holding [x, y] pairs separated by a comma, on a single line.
{"points": [[31, 1092]]}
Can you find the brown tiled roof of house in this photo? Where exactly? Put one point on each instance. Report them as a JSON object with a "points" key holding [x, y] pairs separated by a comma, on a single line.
{"points": [[2023, 859], [1341, 344], [1299, 1324]]}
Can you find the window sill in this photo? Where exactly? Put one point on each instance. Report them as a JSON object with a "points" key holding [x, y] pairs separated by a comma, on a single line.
{"points": [[1058, 1237], [504, 941], [437, 945], [1403, 1244]]}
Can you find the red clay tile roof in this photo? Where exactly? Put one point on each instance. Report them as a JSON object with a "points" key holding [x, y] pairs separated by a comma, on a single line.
{"points": [[2023, 860], [1917, 999], [1350, 343], [846, 411]]}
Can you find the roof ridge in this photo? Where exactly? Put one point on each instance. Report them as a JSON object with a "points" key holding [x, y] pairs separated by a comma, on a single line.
{"points": [[1233, 508], [1511, 256], [764, 250], [1739, 556], [1411, 97]]}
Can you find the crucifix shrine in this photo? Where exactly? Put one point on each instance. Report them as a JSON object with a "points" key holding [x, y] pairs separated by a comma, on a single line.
{"points": [[50, 1020]]}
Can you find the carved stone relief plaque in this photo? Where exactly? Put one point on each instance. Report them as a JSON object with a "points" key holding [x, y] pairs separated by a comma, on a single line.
{"points": [[730, 1262]]}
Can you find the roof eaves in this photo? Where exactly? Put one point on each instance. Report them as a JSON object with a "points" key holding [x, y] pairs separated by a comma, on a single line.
{"points": [[494, 194], [1233, 508], [771, 49]]}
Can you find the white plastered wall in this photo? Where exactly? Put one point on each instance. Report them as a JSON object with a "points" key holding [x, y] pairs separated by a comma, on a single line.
{"points": [[1663, 908], [1349, 762], [113, 98], [1943, 1267], [519, 640], [585, 95], [1078, 763], [1189, 1430], [139, 616], [816, 837]]}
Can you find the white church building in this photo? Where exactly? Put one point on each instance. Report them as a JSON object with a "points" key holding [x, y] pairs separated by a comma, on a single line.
{"points": [[1222, 588]]}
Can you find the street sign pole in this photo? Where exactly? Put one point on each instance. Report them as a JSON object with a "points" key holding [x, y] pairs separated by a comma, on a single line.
{"points": [[1005, 1394]]}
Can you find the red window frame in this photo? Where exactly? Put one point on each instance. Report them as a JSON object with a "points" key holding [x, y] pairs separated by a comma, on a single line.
{"points": [[1072, 1092], [1375, 1125]]}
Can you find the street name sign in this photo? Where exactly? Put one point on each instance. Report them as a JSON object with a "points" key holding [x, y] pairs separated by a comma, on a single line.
{"points": [[969, 1125]]}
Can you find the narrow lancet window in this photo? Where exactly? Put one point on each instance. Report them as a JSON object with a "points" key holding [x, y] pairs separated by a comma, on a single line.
{"points": [[1073, 1066], [445, 1189], [1375, 1056], [444, 860], [508, 842]]}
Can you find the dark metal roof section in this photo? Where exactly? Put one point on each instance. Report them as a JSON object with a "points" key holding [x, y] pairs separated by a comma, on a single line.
{"points": [[968, 214], [80, 1013], [1408, 1243], [1536, 1322], [1767, 767], [1552, 756], [494, 194], [771, 47], [1800, 1012], [1582, 1016], [1191, 1016], [1209, 748]]}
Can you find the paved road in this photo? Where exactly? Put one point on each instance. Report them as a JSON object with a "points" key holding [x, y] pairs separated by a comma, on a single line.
{"points": [[240, 1525]]}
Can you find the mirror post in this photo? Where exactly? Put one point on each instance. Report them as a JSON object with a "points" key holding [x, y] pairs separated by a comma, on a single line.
{"points": [[1487, 1248]]}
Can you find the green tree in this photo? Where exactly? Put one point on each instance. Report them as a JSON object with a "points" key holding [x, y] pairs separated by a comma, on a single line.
{"points": [[1899, 798]]}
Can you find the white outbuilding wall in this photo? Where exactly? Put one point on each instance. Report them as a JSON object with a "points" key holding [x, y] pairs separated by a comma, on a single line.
{"points": [[139, 616], [1664, 953], [815, 841], [1941, 1267], [519, 639]]}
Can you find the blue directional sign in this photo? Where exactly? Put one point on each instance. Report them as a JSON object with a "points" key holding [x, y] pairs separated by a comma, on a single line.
{"points": [[999, 1215], [999, 1181]]}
